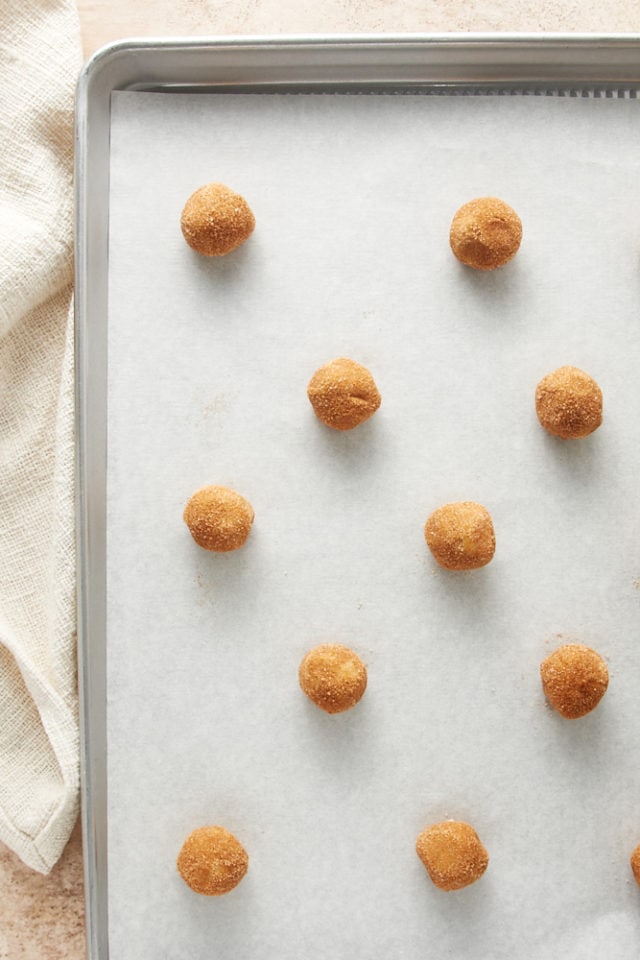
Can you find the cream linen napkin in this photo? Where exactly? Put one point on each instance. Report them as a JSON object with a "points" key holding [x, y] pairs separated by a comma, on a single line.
{"points": [[40, 58]]}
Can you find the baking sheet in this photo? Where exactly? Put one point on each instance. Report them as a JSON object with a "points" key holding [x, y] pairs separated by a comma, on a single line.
{"points": [[208, 366]]}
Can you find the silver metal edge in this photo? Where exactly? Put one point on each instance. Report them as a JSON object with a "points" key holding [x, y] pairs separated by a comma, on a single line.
{"points": [[90, 310], [123, 65], [447, 59]]}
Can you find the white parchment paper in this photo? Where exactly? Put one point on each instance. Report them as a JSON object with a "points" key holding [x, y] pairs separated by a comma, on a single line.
{"points": [[208, 366]]}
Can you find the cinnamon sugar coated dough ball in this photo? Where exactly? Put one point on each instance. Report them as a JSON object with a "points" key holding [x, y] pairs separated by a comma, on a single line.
{"points": [[574, 680], [215, 220], [343, 394], [218, 518], [453, 854], [333, 677], [212, 861], [460, 535], [635, 864], [569, 403], [485, 233]]}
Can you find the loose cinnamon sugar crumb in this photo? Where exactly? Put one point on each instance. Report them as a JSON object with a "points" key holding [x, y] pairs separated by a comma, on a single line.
{"points": [[485, 233], [460, 535], [219, 519], [212, 861], [452, 853], [574, 680], [333, 677], [635, 864], [343, 394], [569, 403], [215, 220]]}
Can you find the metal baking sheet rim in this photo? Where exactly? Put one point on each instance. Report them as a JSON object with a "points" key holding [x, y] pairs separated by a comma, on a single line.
{"points": [[576, 65]]}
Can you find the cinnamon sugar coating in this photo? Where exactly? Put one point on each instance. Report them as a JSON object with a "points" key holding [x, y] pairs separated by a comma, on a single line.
{"points": [[212, 861], [333, 677], [460, 535], [635, 864], [452, 853], [569, 403], [343, 394], [485, 233], [574, 680], [218, 518], [215, 220]]}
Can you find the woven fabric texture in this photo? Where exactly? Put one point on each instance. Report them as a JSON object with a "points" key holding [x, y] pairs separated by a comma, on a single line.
{"points": [[40, 58]]}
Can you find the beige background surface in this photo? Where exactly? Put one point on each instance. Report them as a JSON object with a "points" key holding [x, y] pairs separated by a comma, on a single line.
{"points": [[41, 918], [106, 20]]}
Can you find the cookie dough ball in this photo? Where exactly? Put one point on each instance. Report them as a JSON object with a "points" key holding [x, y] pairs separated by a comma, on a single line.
{"points": [[635, 864], [574, 680], [333, 677], [218, 518], [485, 233], [343, 394], [569, 403], [452, 853], [212, 861], [460, 535], [215, 220]]}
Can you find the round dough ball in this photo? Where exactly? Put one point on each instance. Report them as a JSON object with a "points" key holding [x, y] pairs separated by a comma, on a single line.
{"points": [[569, 403], [343, 394], [485, 233], [218, 518], [212, 861], [635, 864], [452, 853], [215, 220], [460, 535], [333, 677], [574, 680]]}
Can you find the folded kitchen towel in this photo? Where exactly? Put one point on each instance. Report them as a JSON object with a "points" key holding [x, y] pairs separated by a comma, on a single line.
{"points": [[40, 57]]}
